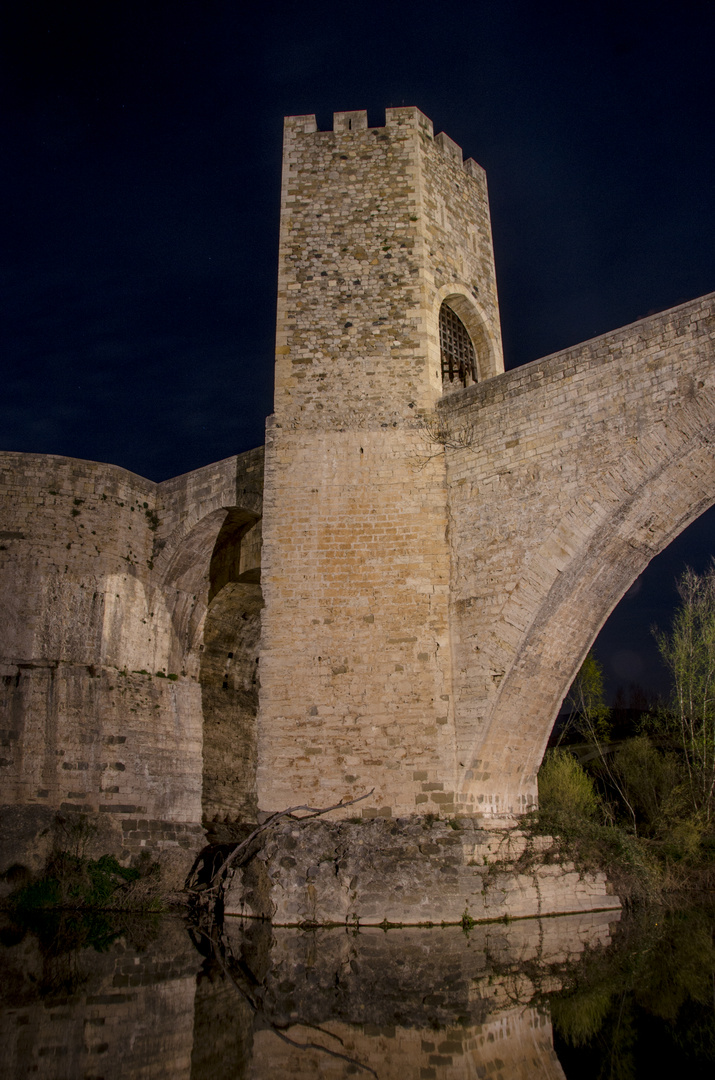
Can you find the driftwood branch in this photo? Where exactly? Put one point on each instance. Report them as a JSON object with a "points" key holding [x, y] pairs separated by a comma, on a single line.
{"points": [[310, 812]]}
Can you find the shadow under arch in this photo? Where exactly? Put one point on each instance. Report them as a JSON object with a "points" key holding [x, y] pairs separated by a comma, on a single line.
{"points": [[213, 594], [487, 344], [613, 551]]}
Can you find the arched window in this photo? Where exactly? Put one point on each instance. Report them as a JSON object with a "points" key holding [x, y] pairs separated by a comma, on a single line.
{"points": [[458, 358]]}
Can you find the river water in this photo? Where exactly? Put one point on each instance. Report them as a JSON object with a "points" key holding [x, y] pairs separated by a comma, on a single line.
{"points": [[576, 996]]}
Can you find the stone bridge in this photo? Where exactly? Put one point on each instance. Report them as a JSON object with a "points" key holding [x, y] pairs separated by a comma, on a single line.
{"points": [[109, 663], [419, 562]]}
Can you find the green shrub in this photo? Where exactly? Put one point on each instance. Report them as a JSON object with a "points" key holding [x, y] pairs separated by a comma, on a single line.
{"points": [[71, 882], [565, 790]]}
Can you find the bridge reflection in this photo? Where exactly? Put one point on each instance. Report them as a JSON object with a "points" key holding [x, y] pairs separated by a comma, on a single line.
{"points": [[162, 1000]]}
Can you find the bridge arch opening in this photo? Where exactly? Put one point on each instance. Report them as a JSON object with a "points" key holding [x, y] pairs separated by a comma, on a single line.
{"points": [[634, 673], [214, 595], [568, 587]]}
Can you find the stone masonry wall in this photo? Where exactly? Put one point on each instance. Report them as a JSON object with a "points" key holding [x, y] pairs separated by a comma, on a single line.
{"points": [[411, 871], [89, 725], [458, 255], [100, 695], [355, 688]]}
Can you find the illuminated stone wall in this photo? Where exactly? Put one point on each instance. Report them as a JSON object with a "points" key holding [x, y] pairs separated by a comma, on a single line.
{"points": [[576, 470], [104, 583]]}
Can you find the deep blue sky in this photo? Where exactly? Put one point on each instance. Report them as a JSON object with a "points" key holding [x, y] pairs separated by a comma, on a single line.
{"points": [[140, 146]]}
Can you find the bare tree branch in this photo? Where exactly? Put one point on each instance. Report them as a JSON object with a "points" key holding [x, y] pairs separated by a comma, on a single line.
{"points": [[447, 436], [310, 812]]}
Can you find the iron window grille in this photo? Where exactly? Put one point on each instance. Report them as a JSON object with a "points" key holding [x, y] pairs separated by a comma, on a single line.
{"points": [[458, 357]]}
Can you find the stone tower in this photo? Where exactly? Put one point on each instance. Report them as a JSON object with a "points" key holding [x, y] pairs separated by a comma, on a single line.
{"points": [[385, 245]]}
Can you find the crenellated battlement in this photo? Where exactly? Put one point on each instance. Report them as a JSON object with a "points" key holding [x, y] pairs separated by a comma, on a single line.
{"points": [[403, 116], [380, 226]]}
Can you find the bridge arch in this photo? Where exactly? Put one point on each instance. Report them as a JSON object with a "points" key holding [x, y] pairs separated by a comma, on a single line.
{"points": [[212, 590], [207, 559], [583, 593], [584, 467]]}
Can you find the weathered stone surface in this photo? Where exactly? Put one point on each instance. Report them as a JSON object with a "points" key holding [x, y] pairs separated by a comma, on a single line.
{"points": [[408, 871], [27, 835], [30, 834]]}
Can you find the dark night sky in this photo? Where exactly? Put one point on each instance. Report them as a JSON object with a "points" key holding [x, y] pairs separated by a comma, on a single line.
{"points": [[140, 176]]}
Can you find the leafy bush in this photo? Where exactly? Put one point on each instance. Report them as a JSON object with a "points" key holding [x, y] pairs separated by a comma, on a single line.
{"points": [[71, 881], [565, 789], [569, 807]]}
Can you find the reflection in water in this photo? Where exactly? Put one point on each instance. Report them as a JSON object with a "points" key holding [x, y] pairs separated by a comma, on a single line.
{"points": [[124, 1011], [647, 1007], [158, 999]]}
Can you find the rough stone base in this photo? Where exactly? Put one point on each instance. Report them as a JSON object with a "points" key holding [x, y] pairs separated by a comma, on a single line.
{"points": [[411, 871]]}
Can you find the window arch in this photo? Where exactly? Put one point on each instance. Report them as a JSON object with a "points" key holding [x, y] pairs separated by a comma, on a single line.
{"points": [[459, 359]]}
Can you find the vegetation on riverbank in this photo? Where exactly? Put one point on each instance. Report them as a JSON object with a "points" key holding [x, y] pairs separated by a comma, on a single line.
{"points": [[643, 806], [661, 856], [72, 881]]}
